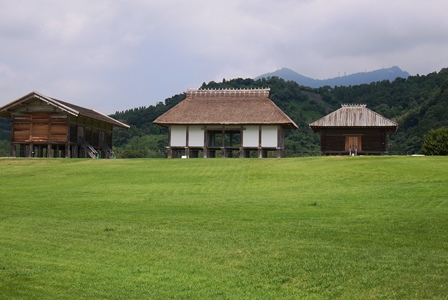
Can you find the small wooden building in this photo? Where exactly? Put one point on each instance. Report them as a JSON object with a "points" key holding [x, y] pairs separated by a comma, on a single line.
{"points": [[353, 130], [226, 123], [42, 126]]}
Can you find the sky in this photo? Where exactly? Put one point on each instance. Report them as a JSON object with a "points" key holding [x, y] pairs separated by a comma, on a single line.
{"points": [[114, 55]]}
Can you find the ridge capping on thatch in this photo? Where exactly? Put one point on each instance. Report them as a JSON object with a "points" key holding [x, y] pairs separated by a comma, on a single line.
{"points": [[228, 93]]}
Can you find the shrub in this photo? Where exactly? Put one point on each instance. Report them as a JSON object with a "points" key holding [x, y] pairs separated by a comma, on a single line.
{"points": [[435, 142]]}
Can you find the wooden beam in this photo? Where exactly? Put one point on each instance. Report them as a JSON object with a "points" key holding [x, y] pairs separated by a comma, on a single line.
{"points": [[13, 150]]}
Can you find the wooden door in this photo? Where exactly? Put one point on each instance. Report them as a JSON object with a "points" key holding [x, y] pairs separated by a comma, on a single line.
{"points": [[353, 143]]}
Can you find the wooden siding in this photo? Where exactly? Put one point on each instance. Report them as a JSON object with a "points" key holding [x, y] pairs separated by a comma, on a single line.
{"points": [[21, 132], [58, 135], [371, 140], [39, 128]]}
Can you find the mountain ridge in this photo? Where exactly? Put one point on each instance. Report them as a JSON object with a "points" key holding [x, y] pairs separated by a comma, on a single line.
{"points": [[353, 79]]}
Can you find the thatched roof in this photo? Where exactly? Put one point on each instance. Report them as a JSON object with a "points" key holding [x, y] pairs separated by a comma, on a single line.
{"points": [[71, 109], [226, 107], [357, 115]]}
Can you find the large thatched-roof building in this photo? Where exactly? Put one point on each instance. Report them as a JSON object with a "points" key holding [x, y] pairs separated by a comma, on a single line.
{"points": [[353, 130], [229, 123], [42, 126]]}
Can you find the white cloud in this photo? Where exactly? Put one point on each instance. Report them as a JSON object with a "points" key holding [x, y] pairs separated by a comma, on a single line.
{"points": [[97, 53]]}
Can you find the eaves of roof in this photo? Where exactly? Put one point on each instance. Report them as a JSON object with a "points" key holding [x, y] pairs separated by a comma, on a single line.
{"points": [[66, 107], [226, 107]]}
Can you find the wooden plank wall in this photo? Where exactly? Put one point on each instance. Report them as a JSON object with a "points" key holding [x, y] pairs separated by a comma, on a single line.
{"points": [[39, 128], [372, 139], [57, 134], [21, 132]]}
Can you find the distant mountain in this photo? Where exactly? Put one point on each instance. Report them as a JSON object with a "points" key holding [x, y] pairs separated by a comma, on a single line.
{"points": [[352, 79]]}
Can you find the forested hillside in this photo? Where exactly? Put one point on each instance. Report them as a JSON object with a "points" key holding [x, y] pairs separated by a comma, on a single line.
{"points": [[418, 104]]}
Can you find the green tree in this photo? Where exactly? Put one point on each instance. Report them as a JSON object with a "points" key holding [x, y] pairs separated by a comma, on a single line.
{"points": [[143, 146], [4, 148], [435, 142]]}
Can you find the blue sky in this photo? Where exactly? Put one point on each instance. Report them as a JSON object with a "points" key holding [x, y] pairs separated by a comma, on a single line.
{"points": [[112, 55]]}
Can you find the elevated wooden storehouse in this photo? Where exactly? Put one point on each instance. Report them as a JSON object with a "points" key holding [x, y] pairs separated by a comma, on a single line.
{"points": [[353, 130], [42, 126], [229, 123]]}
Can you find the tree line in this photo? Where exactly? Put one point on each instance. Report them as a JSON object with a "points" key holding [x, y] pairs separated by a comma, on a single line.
{"points": [[419, 104]]}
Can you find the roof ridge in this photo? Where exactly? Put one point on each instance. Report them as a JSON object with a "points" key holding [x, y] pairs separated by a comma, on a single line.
{"points": [[231, 93], [353, 105], [228, 89]]}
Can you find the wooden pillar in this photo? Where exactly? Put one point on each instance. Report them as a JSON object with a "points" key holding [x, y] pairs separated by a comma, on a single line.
{"points": [[280, 142], [68, 153], [168, 148], [205, 145], [383, 141], [223, 142], [67, 150], [323, 147], [30, 150], [169, 136], [264, 153], [21, 150], [223, 152], [223, 137], [13, 150], [49, 151], [74, 153], [242, 152], [280, 137], [280, 152]]}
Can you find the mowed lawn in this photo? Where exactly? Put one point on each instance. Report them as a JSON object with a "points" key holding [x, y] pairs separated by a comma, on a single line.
{"points": [[295, 228]]}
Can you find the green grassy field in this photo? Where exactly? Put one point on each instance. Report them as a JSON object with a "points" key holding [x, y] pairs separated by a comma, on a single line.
{"points": [[298, 228]]}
